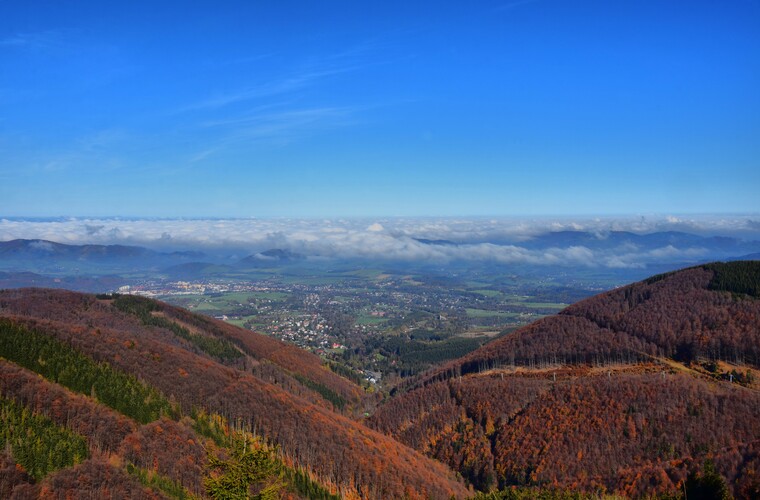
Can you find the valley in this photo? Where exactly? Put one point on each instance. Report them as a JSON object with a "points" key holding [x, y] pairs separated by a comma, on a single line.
{"points": [[649, 390], [379, 325], [494, 250]]}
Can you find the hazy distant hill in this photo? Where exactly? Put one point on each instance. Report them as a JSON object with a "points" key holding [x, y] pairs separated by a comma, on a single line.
{"points": [[30, 255], [571, 256], [22, 279], [616, 238], [271, 256], [628, 392], [195, 270], [434, 242], [50, 249], [167, 394]]}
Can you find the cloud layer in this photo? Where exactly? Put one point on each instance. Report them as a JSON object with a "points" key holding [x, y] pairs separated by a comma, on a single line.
{"points": [[504, 240]]}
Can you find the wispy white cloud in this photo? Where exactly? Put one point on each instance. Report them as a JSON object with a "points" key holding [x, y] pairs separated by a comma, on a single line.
{"points": [[203, 154], [287, 123], [274, 110], [101, 139], [239, 60], [276, 87], [515, 4], [276, 127], [97, 149], [43, 40]]}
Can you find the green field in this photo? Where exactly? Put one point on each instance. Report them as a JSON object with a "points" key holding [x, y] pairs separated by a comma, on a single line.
{"points": [[366, 319], [371, 274], [238, 322], [244, 297], [541, 305], [221, 303], [313, 280], [267, 295], [205, 307], [484, 313]]}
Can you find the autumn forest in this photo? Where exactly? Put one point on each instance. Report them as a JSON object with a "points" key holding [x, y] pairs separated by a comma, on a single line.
{"points": [[649, 390]]}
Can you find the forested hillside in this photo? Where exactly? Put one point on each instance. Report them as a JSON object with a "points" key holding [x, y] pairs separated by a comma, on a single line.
{"points": [[677, 316], [167, 403], [632, 391], [650, 389], [284, 363]]}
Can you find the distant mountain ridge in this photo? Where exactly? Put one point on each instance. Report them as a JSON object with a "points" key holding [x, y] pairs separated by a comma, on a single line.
{"points": [[619, 253], [278, 255], [616, 239], [435, 242], [16, 248], [44, 254]]}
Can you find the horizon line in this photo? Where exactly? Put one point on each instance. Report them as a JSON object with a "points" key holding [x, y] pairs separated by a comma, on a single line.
{"points": [[366, 216]]}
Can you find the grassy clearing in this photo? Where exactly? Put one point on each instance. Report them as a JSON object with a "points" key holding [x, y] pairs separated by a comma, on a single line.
{"points": [[205, 307], [487, 293], [366, 273], [268, 295], [313, 280], [223, 303], [484, 313], [479, 285], [236, 322], [540, 305], [366, 319]]}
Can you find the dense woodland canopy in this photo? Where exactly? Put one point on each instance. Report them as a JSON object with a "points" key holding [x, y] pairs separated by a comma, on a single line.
{"points": [[286, 363], [629, 392], [647, 389], [167, 382], [677, 316]]}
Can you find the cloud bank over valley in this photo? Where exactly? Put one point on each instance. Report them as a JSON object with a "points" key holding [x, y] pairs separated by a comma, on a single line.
{"points": [[610, 242]]}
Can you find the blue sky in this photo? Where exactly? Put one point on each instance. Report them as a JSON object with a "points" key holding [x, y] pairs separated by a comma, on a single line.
{"points": [[238, 109]]}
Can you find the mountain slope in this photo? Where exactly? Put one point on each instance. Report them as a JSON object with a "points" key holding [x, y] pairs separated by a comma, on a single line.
{"points": [[627, 392], [264, 356], [676, 316], [260, 390]]}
